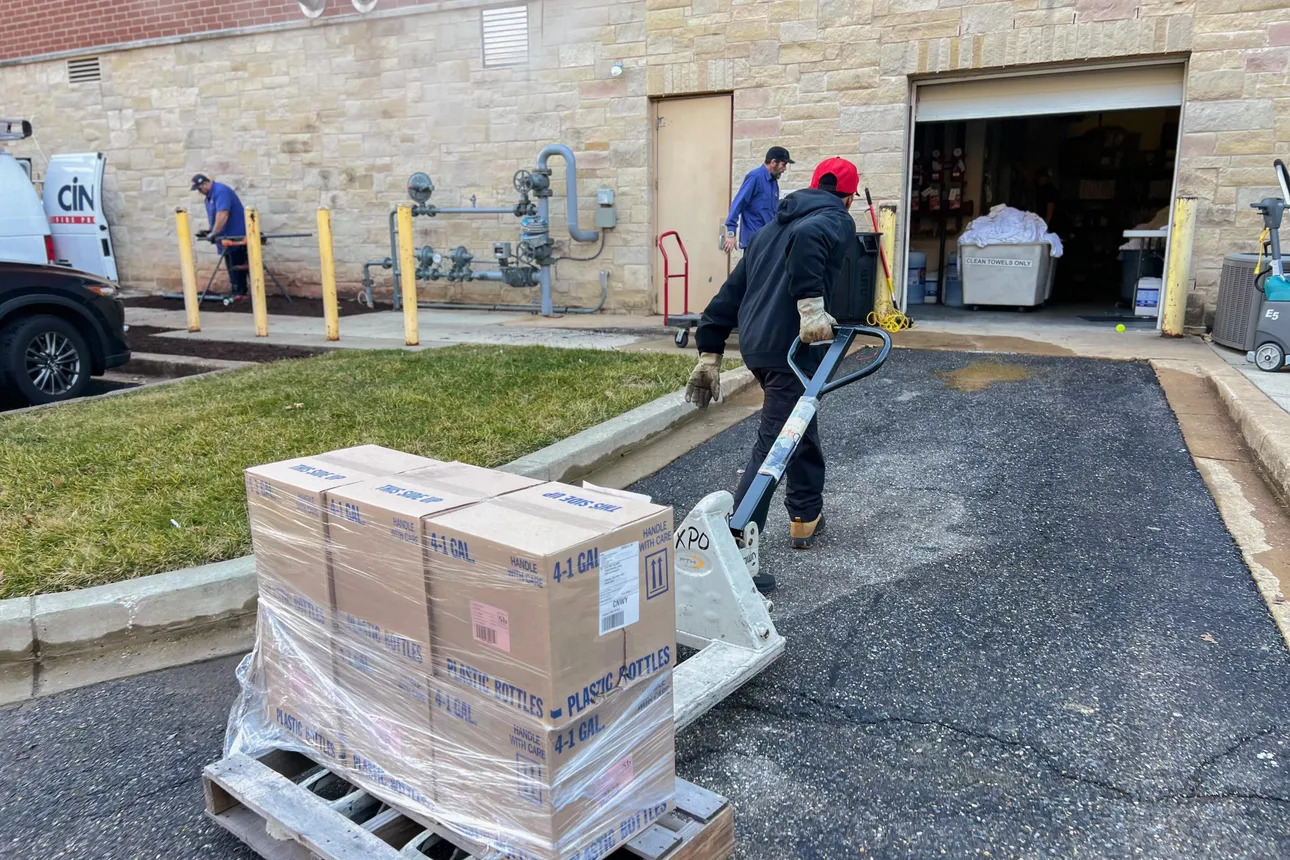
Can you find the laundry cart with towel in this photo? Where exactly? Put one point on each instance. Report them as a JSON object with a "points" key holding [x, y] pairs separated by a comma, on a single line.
{"points": [[1008, 258]]}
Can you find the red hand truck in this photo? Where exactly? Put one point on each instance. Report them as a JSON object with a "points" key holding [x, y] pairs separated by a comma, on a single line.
{"points": [[685, 319]]}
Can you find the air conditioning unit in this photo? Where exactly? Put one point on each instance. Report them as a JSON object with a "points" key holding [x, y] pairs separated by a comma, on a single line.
{"points": [[1239, 300]]}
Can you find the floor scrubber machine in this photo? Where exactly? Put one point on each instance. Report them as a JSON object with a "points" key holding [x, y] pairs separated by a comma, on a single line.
{"points": [[1272, 331]]}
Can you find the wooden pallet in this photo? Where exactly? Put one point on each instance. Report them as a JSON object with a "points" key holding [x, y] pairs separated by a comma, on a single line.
{"points": [[278, 805]]}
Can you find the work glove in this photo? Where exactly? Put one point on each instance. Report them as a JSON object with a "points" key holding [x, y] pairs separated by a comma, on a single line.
{"points": [[705, 381], [817, 325], [202, 234]]}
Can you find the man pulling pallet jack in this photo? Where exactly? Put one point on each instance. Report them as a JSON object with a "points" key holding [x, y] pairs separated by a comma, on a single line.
{"points": [[791, 266], [776, 293]]}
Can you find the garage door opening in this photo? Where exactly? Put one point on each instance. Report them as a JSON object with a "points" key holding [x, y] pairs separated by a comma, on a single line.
{"points": [[1093, 155]]}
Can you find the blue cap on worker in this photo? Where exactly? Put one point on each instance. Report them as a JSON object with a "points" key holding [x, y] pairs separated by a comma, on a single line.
{"points": [[198, 179]]}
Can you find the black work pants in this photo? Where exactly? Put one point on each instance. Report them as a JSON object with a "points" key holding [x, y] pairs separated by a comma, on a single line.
{"points": [[235, 259], [804, 477]]}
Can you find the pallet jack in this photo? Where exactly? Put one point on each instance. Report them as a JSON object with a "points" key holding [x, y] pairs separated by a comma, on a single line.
{"points": [[275, 803], [719, 611]]}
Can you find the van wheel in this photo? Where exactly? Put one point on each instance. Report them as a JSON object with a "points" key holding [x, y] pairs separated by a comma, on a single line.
{"points": [[1269, 357], [45, 359]]}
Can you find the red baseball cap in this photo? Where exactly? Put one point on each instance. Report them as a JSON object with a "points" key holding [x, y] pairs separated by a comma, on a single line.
{"points": [[848, 178]]}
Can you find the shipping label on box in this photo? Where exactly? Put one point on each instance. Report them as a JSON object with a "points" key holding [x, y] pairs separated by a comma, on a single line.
{"points": [[285, 502], [548, 598]]}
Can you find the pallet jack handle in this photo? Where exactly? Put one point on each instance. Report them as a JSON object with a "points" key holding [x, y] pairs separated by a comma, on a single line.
{"points": [[756, 502], [842, 340]]}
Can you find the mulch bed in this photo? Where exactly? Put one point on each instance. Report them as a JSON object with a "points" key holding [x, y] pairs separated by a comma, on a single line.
{"points": [[143, 338], [297, 307]]}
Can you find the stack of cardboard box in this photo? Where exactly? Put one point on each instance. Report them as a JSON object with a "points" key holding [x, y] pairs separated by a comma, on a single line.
{"points": [[486, 649]]}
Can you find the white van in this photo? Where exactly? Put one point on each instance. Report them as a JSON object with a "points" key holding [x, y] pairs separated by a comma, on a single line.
{"points": [[24, 229]]}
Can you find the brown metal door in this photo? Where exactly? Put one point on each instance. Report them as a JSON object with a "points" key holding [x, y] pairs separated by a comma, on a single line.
{"points": [[692, 192]]}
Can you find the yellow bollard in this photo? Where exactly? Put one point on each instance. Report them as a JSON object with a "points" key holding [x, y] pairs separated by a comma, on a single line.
{"points": [[188, 269], [884, 295], [331, 313], [408, 277], [255, 259], [1182, 235]]}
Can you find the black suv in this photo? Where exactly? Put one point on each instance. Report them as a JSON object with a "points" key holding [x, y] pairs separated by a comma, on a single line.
{"points": [[58, 327]]}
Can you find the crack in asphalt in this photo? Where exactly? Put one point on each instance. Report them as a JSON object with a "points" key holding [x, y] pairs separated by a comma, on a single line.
{"points": [[1044, 756]]}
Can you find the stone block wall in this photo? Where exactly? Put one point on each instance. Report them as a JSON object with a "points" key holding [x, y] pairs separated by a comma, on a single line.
{"points": [[340, 115], [833, 77]]}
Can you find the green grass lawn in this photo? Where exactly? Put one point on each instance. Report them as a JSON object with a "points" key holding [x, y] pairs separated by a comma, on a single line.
{"points": [[88, 490]]}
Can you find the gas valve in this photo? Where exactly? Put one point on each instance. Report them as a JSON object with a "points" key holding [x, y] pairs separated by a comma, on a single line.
{"points": [[519, 276], [428, 260], [535, 240], [461, 260]]}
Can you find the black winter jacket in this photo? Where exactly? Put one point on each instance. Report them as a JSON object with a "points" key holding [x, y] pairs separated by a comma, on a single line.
{"points": [[796, 256]]}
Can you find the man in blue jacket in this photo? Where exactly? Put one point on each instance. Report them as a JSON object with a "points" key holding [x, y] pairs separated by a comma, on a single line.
{"points": [[227, 220], [775, 293], [755, 203]]}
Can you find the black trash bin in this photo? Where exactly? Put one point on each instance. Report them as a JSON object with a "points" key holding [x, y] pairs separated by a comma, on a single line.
{"points": [[852, 298]]}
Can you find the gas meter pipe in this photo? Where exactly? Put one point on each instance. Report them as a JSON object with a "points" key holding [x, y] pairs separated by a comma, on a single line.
{"points": [[570, 193]]}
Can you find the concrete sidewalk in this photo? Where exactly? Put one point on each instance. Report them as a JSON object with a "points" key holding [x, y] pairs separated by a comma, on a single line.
{"points": [[984, 332], [1275, 385], [383, 330]]}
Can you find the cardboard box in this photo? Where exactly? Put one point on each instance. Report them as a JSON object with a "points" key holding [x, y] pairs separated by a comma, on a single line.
{"points": [[378, 460], [531, 790], [549, 597], [374, 532], [285, 504], [296, 662], [383, 641], [471, 480]]}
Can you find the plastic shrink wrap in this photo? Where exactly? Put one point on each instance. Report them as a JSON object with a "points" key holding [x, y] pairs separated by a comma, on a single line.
{"points": [[484, 650]]}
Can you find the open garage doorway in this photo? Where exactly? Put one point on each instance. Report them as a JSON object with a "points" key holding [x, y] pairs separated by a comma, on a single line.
{"points": [[1091, 154]]}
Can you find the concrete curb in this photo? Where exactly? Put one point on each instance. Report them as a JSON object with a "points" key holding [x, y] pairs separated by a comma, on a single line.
{"points": [[71, 621], [176, 366], [136, 610], [216, 596], [1264, 425], [583, 452]]}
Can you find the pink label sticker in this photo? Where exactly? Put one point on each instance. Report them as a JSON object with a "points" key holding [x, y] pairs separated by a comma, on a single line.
{"points": [[490, 625], [618, 776]]}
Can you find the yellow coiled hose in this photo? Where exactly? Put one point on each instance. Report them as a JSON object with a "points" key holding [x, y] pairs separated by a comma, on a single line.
{"points": [[891, 322]]}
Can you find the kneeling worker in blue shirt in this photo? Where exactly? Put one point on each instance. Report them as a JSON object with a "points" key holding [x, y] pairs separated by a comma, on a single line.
{"points": [[757, 199]]}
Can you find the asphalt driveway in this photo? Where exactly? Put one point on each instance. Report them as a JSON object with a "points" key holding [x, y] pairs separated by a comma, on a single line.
{"points": [[1025, 633]]}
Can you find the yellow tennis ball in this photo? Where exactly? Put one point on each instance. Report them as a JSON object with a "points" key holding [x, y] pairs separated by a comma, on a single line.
{"points": [[1120, 327]]}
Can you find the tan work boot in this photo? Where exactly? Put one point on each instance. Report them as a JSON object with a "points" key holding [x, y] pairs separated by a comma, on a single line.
{"points": [[802, 535]]}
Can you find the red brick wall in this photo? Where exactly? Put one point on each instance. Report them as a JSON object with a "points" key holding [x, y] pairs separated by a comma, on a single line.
{"points": [[33, 27]]}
